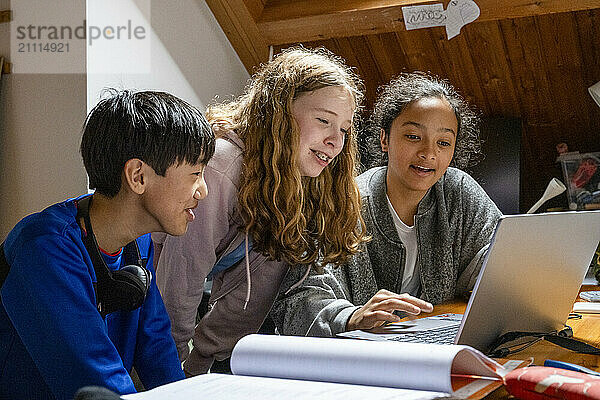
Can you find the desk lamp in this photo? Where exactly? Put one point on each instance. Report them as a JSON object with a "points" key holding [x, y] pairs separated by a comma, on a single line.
{"points": [[554, 188]]}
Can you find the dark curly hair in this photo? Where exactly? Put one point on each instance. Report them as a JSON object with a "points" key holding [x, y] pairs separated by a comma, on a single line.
{"points": [[404, 90]]}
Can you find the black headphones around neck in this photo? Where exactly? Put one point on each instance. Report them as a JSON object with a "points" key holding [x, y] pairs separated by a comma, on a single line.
{"points": [[121, 290]]}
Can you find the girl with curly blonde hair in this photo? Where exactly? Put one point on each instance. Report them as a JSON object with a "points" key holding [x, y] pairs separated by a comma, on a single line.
{"points": [[281, 192]]}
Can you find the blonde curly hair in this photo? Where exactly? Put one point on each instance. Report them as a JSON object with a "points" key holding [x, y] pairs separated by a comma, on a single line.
{"points": [[301, 220]]}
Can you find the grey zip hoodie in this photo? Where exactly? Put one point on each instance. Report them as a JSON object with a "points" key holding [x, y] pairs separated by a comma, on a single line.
{"points": [[455, 221]]}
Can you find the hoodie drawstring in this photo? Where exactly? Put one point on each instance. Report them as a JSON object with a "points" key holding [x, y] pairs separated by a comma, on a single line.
{"points": [[295, 285], [249, 280], [247, 275]]}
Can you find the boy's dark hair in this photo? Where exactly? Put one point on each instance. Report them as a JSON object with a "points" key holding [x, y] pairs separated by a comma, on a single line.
{"points": [[405, 90], [155, 127]]}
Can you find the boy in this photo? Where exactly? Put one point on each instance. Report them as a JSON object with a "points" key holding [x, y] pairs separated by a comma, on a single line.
{"points": [[78, 301]]}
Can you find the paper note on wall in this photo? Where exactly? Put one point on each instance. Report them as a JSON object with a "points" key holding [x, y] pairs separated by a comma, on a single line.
{"points": [[424, 16], [458, 14]]}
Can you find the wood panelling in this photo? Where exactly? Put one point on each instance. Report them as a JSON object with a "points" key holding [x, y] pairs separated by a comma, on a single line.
{"points": [[536, 68], [528, 59], [588, 22], [255, 8], [237, 19], [486, 44], [287, 21]]}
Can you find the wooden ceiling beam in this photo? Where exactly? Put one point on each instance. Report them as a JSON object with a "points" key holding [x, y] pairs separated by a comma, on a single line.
{"points": [[255, 7], [285, 9], [284, 22], [237, 19]]}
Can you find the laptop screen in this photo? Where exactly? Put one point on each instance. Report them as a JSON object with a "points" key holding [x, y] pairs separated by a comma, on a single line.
{"points": [[531, 275]]}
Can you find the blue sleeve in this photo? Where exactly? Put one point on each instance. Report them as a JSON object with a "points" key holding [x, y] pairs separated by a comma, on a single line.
{"points": [[49, 297], [156, 359]]}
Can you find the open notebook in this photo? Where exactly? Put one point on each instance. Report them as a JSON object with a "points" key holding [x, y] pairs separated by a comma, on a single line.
{"points": [[275, 367]]}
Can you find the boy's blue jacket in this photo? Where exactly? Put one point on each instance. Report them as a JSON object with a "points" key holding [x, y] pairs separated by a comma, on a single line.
{"points": [[53, 340]]}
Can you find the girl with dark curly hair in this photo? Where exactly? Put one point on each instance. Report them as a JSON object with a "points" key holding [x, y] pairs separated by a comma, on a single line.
{"points": [[430, 223]]}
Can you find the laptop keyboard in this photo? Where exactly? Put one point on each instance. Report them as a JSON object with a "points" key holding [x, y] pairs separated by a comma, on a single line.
{"points": [[444, 335]]}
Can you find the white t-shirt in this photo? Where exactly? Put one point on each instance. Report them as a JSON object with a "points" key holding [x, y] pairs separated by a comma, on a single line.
{"points": [[411, 282]]}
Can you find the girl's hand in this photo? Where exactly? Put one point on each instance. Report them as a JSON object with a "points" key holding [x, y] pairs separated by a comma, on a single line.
{"points": [[380, 309]]}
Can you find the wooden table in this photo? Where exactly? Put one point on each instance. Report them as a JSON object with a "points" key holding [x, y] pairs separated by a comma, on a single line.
{"points": [[586, 329]]}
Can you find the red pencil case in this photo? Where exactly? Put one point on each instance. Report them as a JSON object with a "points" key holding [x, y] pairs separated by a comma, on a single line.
{"points": [[545, 383]]}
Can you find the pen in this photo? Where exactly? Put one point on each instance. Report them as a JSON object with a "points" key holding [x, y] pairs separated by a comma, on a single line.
{"points": [[570, 367]]}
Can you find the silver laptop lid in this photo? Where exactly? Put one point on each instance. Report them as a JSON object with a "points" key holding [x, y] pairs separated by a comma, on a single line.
{"points": [[531, 275]]}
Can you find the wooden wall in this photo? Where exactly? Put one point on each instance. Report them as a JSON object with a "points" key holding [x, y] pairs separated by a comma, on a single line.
{"points": [[520, 59], [536, 68]]}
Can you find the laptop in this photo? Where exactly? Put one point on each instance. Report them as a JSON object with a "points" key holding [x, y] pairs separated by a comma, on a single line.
{"points": [[530, 277]]}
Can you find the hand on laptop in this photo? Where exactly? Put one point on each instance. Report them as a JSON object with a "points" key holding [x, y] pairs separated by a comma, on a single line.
{"points": [[380, 309]]}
